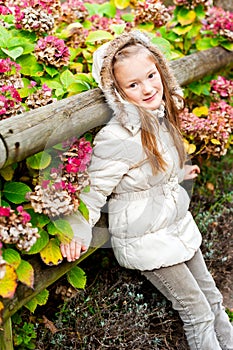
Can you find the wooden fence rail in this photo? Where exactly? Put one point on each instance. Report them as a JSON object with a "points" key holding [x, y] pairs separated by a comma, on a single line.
{"points": [[32, 132]]}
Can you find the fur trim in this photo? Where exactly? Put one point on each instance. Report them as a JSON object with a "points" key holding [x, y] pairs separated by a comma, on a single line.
{"points": [[102, 64]]}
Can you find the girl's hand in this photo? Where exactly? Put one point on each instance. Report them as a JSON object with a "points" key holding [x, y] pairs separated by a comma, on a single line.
{"points": [[191, 171], [72, 250]]}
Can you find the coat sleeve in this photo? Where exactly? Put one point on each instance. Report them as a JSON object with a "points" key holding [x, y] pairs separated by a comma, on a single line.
{"points": [[110, 162]]}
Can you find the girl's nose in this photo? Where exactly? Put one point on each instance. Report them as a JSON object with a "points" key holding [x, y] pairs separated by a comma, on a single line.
{"points": [[146, 88]]}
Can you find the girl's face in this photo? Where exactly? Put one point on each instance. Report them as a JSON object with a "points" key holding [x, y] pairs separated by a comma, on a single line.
{"points": [[140, 81]]}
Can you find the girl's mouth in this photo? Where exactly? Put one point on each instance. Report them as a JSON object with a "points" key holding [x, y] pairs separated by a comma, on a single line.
{"points": [[149, 98]]}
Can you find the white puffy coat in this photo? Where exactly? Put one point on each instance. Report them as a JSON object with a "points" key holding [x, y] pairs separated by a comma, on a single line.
{"points": [[149, 221]]}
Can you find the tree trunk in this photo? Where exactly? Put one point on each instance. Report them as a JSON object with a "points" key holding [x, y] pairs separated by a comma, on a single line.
{"points": [[31, 132]]}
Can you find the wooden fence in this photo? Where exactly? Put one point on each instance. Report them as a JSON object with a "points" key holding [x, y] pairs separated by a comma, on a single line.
{"points": [[31, 132]]}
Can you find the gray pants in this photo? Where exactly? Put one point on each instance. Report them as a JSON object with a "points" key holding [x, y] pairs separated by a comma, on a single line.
{"points": [[193, 293]]}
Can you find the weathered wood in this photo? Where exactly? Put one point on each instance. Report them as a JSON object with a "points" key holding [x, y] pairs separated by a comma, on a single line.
{"points": [[44, 275], [31, 132], [6, 338], [196, 66]]}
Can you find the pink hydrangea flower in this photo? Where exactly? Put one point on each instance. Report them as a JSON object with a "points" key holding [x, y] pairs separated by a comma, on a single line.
{"points": [[5, 211], [222, 86], [219, 22], [45, 183], [9, 101], [8, 66], [53, 51], [4, 10], [26, 217]]}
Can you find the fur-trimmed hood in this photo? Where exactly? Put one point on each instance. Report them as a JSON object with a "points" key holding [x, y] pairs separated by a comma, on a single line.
{"points": [[126, 112]]}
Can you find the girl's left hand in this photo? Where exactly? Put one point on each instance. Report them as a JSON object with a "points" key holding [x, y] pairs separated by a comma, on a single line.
{"points": [[191, 171]]}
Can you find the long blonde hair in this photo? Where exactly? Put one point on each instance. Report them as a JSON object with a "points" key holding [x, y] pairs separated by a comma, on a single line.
{"points": [[172, 120]]}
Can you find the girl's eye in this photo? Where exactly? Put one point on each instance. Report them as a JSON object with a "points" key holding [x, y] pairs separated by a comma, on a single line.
{"points": [[151, 75], [133, 85]]}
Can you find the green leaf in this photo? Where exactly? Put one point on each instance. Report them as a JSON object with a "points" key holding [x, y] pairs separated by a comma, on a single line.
{"points": [[182, 30], [24, 92], [14, 41], [168, 35], [77, 277], [16, 191], [30, 66], [14, 53], [38, 220], [59, 93], [67, 78], [83, 77], [52, 71], [127, 17], [64, 230], [98, 35], [118, 28], [7, 173], [8, 18], [31, 305], [39, 160], [4, 203], [194, 31], [4, 36], [40, 299], [52, 230], [51, 83], [204, 44], [163, 45], [27, 47], [8, 283], [41, 242], [92, 8], [186, 16], [25, 273], [78, 87], [107, 9], [83, 210], [51, 254], [25, 35], [200, 12], [149, 26], [227, 45], [200, 88], [12, 257]]}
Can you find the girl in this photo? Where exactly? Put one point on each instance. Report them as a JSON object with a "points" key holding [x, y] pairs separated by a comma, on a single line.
{"points": [[139, 160]]}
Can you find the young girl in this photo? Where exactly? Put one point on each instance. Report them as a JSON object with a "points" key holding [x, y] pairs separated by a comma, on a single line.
{"points": [[139, 161]]}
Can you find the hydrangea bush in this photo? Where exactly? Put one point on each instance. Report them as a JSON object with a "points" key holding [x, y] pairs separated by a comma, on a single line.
{"points": [[46, 50]]}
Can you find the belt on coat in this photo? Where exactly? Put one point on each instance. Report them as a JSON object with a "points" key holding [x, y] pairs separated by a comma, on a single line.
{"points": [[166, 189]]}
